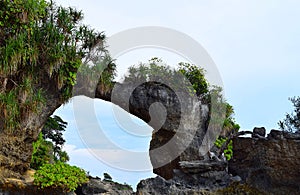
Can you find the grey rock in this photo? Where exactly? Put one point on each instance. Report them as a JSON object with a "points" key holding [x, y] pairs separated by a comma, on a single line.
{"points": [[185, 129], [202, 166], [261, 131], [272, 166], [290, 135], [96, 186], [275, 134], [236, 178], [194, 177]]}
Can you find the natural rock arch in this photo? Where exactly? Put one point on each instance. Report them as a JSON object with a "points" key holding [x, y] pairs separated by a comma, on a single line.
{"points": [[140, 101]]}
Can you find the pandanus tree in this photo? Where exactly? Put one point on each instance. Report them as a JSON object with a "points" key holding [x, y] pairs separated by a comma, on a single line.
{"points": [[41, 48]]}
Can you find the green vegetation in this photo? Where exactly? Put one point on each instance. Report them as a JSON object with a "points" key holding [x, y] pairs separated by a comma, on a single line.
{"points": [[230, 127], [49, 159], [53, 131], [196, 76], [186, 78], [41, 48], [42, 152], [48, 147], [60, 175], [228, 152], [88, 74], [291, 122]]}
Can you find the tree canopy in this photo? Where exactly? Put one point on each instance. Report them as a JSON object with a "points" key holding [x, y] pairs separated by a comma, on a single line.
{"points": [[41, 48], [48, 147]]}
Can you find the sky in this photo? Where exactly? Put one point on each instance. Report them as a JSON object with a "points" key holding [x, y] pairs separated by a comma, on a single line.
{"points": [[254, 44]]}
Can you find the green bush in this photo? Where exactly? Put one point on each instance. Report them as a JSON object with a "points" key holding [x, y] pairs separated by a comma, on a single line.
{"points": [[42, 152], [48, 147], [60, 175], [228, 152]]}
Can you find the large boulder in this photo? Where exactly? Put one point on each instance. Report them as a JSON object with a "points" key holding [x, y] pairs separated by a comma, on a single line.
{"points": [[260, 131]]}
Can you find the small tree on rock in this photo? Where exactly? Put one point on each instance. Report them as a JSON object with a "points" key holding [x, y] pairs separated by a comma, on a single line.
{"points": [[291, 123]]}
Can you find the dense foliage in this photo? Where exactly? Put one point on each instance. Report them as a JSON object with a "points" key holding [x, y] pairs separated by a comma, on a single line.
{"points": [[60, 175], [291, 122], [98, 64], [42, 153], [185, 78], [53, 131], [48, 147], [196, 76], [41, 48]]}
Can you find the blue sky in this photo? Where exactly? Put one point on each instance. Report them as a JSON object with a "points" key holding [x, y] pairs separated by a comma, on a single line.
{"points": [[255, 45]]}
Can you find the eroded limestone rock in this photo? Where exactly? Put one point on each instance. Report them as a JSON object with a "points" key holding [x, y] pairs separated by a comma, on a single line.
{"points": [[178, 132], [271, 165]]}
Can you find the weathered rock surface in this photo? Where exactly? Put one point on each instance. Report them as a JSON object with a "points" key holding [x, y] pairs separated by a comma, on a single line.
{"points": [[159, 186], [271, 165], [16, 148], [97, 186], [209, 180], [260, 165], [194, 177], [261, 131], [178, 133]]}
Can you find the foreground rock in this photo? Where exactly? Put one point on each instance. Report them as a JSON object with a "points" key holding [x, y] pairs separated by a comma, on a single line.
{"points": [[97, 186], [199, 178], [194, 177], [260, 165]]}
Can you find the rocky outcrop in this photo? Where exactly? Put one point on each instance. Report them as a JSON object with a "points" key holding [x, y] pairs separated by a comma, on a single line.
{"points": [[97, 186], [270, 164], [195, 177], [94, 186], [178, 132], [259, 131], [260, 165]]}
